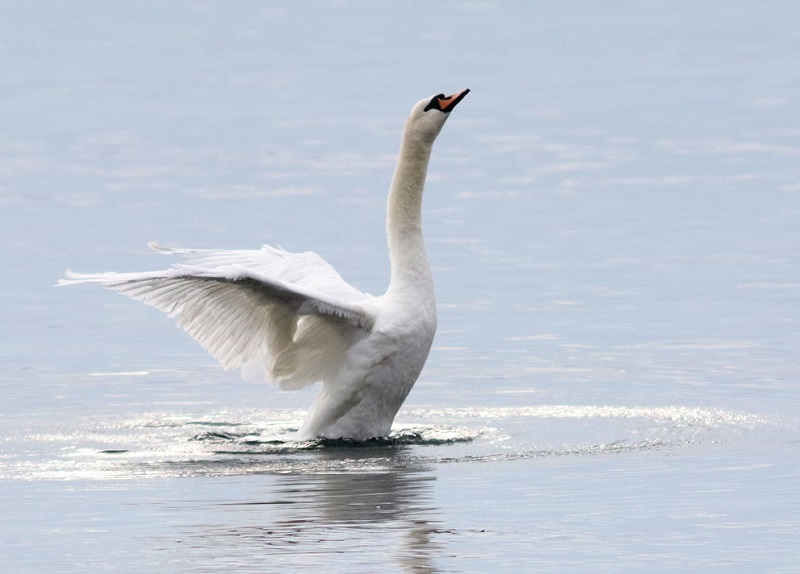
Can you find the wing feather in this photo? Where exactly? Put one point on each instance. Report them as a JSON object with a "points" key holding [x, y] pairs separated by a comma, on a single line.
{"points": [[287, 316]]}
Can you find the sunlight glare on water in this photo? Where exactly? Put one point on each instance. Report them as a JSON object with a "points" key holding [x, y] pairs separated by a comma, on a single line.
{"points": [[159, 445]]}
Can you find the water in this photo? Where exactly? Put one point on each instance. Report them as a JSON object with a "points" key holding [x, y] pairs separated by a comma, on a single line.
{"points": [[611, 216]]}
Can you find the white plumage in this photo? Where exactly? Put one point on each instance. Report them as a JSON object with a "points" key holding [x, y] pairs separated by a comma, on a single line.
{"points": [[290, 317]]}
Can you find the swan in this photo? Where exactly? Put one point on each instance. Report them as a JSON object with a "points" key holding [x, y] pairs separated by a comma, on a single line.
{"points": [[290, 317]]}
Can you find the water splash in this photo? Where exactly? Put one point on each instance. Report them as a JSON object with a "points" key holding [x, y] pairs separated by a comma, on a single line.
{"points": [[257, 441]]}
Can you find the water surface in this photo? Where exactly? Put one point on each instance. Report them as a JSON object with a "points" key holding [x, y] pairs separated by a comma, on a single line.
{"points": [[611, 216]]}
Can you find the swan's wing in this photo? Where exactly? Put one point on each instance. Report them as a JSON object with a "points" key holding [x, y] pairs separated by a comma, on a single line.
{"points": [[288, 316], [303, 270]]}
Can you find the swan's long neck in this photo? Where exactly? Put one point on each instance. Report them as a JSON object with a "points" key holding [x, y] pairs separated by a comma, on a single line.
{"points": [[411, 272]]}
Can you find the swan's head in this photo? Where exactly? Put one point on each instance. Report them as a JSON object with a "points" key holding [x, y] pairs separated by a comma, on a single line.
{"points": [[429, 115]]}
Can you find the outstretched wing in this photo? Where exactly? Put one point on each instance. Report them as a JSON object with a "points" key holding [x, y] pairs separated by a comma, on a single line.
{"points": [[288, 316]]}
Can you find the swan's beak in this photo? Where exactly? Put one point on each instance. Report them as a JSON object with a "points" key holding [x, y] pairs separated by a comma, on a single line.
{"points": [[446, 104]]}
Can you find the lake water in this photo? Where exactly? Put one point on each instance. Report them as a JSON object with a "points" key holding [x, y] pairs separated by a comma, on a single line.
{"points": [[613, 219]]}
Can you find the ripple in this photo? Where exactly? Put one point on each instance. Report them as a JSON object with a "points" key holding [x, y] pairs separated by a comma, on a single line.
{"points": [[172, 444]]}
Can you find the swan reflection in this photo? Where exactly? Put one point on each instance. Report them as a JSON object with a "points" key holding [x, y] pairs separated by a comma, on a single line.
{"points": [[331, 515]]}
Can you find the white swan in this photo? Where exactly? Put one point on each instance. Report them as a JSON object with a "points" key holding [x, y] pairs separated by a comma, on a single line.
{"points": [[293, 319]]}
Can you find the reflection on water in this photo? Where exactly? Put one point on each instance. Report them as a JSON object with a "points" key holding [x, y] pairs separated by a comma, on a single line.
{"points": [[230, 489], [323, 514], [242, 493]]}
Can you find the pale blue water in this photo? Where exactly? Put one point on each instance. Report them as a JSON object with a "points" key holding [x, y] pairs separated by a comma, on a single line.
{"points": [[612, 216]]}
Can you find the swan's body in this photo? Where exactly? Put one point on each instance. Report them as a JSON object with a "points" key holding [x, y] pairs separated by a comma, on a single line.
{"points": [[291, 318]]}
